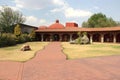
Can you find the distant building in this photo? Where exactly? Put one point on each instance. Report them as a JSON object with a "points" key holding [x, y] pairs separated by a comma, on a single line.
{"points": [[27, 28], [59, 32]]}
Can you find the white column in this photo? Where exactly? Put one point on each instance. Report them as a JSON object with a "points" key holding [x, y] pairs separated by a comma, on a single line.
{"points": [[70, 37], [60, 35], [114, 38], [51, 37], [42, 37], [91, 40], [102, 38]]}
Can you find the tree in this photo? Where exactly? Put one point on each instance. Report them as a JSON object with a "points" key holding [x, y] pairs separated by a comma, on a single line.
{"points": [[111, 22], [10, 17], [32, 35], [85, 24], [99, 20], [17, 30], [118, 23]]}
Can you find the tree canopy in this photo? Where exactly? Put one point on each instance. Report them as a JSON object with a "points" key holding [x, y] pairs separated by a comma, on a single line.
{"points": [[8, 18], [99, 20]]}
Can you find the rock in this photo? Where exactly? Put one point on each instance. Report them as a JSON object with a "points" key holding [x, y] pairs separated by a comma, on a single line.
{"points": [[25, 48]]}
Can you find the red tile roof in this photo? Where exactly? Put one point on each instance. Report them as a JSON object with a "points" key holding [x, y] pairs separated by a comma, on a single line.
{"points": [[56, 26], [75, 29], [42, 27]]}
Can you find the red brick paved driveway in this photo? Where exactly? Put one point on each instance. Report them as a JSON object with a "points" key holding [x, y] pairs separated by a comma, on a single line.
{"points": [[51, 64]]}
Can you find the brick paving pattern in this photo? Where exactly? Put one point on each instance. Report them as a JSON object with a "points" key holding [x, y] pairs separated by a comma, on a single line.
{"points": [[51, 64]]}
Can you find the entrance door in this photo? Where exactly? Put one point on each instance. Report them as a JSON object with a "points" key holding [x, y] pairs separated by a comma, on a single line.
{"points": [[56, 37]]}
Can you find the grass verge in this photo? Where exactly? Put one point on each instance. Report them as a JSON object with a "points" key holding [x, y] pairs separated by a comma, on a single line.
{"points": [[74, 51], [13, 53]]}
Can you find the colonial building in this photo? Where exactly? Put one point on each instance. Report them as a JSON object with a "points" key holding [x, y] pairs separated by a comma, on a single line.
{"points": [[59, 32]]}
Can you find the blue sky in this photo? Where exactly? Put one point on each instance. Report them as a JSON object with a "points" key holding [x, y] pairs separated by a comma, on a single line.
{"points": [[45, 12]]}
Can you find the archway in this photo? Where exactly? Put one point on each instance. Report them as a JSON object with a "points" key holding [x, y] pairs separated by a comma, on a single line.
{"points": [[74, 36], [96, 37], [56, 37], [108, 37], [38, 36], [46, 37], [118, 38], [65, 37]]}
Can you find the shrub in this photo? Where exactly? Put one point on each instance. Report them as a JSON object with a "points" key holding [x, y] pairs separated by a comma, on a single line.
{"points": [[7, 39], [78, 40], [11, 39], [3, 41], [27, 37], [20, 39], [82, 39], [23, 38]]}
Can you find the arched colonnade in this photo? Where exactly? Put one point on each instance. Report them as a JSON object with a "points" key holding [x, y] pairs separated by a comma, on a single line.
{"points": [[93, 37]]}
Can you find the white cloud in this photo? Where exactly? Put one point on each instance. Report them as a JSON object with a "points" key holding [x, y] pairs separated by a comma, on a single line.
{"points": [[42, 21], [38, 4], [32, 20], [32, 4], [60, 6], [57, 10], [29, 18], [59, 2], [70, 12]]}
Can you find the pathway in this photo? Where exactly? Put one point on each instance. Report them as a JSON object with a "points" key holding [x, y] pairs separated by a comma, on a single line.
{"points": [[51, 64]]}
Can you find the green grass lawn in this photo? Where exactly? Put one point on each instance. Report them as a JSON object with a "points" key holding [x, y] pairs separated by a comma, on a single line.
{"points": [[76, 51], [13, 53]]}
